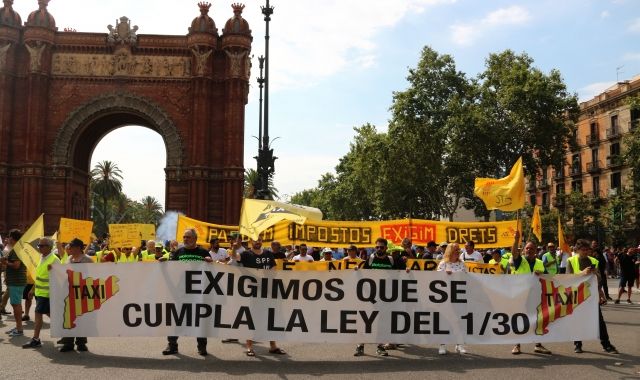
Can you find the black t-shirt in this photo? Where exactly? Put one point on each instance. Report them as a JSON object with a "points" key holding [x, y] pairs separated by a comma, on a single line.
{"points": [[249, 259], [627, 266], [280, 254], [184, 254], [379, 263]]}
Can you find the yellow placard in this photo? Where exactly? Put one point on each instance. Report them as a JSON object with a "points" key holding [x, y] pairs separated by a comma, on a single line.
{"points": [[472, 267], [318, 265], [130, 235], [73, 228]]}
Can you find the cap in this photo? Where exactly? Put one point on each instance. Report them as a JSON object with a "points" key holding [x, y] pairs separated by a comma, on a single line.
{"points": [[76, 243], [432, 244], [444, 244], [353, 247], [327, 250]]}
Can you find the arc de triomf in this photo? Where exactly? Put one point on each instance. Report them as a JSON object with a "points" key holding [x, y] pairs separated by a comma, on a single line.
{"points": [[62, 91]]}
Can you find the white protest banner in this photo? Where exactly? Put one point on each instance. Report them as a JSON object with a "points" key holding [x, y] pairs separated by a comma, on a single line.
{"points": [[361, 306]]}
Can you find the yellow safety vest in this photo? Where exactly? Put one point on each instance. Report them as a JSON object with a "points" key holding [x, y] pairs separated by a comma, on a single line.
{"points": [[575, 264], [503, 263], [42, 275], [553, 268], [524, 267]]}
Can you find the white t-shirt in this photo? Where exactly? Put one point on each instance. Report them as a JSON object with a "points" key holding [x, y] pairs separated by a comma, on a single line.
{"points": [[303, 258], [475, 256], [221, 255], [563, 259]]}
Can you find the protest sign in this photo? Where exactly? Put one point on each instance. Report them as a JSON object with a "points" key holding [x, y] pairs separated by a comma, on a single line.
{"points": [[70, 229], [130, 235], [348, 306]]}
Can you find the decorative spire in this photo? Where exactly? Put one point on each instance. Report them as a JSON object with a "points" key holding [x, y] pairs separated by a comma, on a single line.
{"points": [[204, 7], [43, 4], [237, 8]]}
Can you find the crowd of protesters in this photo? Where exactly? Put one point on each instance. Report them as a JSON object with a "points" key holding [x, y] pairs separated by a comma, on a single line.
{"points": [[585, 258]]}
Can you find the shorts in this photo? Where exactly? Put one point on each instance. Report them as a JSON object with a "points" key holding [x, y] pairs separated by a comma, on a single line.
{"points": [[25, 292], [15, 294], [626, 280], [42, 305]]}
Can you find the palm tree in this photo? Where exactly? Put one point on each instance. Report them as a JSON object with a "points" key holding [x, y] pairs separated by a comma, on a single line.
{"points": [[105, 185], [251, 185], [152, 210]]}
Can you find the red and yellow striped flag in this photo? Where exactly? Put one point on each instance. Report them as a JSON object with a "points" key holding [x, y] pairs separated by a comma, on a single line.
{"points": [[558, 302], [86, 295]]}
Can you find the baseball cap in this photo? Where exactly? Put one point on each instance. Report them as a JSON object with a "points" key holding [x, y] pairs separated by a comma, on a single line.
{"points": [[327, 250], [76, 243]]}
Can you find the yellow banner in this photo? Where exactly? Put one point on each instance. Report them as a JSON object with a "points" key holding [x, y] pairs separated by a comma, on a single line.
{"points": [[258, 215], [318, 265], [74, 228], [130, 235], [472, 267], [337, 234]]}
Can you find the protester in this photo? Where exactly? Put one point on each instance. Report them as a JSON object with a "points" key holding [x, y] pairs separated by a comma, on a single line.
{"points": [[561, 259], [303, 255], [379, 260], [41, 289], [352, 253], [549, 259], [496, 258], [327, 254], [16, 280], [189, 252], [431, 251], [584, 264], [77, 256], [258, 258], [217, 253], [627, 274], [470, 254], [602, 267], [523, 266], [451, 263], [277, 250]]}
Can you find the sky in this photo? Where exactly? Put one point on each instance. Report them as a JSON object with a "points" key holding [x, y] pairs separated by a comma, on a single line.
{"points": [[335, 64]]}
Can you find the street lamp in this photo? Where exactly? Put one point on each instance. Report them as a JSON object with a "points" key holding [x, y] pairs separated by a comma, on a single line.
{"points": [[265, 158]]}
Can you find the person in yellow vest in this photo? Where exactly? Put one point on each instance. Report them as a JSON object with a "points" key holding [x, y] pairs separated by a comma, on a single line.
{"points": [[125, 255], [549, 259], [583, 264], [529, 264], [41, 289], [496, 258]]}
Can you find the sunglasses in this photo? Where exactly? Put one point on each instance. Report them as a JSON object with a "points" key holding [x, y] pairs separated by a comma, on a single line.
{"points": [[43, 245]]}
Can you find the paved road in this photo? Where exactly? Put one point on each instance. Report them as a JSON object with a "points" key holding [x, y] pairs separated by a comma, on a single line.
{"points": [[141, 358]]}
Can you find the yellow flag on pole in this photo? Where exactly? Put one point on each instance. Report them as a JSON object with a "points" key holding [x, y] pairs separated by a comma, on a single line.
{"points": [[258, 215], [562, 243], [536, 223], [506, 194], [26, 247]]}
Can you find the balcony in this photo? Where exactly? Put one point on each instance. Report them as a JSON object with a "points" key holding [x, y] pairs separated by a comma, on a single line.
{"points": [[576, 170], [594, 167], [613, 133], [574, 143], [615, 161], [558, 175], [543, 184], [593, 139]]}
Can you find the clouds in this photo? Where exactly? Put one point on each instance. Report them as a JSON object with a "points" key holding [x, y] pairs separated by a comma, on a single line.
{"points": [[634, 26], [467, 33], [588, 92]]}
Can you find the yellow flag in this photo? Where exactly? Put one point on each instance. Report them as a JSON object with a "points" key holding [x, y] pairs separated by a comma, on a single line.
{"points": [[258, 215], [506, 194], [562, 244], [536, 223], [26, 247]]}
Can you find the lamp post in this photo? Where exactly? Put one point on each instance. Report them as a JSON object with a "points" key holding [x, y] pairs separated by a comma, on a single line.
{"points": [[266, 160]]}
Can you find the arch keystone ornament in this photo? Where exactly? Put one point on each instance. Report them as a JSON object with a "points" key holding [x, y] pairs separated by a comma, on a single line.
{"points": [[61, 92]]}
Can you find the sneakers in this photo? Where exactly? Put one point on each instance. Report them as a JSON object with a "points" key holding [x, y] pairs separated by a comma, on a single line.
{"points": [[460, 349], [15, 333], [616, 301], [25, 318], [11, 331], [33, 343], [170, 350], [516, 350], [359, 350], [611, 350], [629, 301], [541, 350], [578, 350], [442, 350], [381, 351]]}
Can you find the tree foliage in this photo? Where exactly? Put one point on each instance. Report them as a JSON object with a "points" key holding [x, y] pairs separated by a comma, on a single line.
{"points": [[445, 130]]}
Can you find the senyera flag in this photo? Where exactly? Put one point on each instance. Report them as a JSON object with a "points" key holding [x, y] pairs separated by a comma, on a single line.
{"points": [[506, 194]]}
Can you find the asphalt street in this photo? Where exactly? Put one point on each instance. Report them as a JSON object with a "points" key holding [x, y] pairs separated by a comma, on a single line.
{"points": [[141, 358]]}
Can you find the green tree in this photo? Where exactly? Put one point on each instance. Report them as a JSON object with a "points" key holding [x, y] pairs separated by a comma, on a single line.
{"points": [[151, 210], [105, 185], [251, 185]]}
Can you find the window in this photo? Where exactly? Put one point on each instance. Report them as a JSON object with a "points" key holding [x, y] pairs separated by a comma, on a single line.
{"points": [[545, 199], [560, 188], [594, 129], [532, 199], [614, 123], [595, 184], [616, 182], [635, 118], [576, 186], [614, 149]]}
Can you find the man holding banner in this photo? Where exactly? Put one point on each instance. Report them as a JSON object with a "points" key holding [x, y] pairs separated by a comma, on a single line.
{"points": [[16, 279]]}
